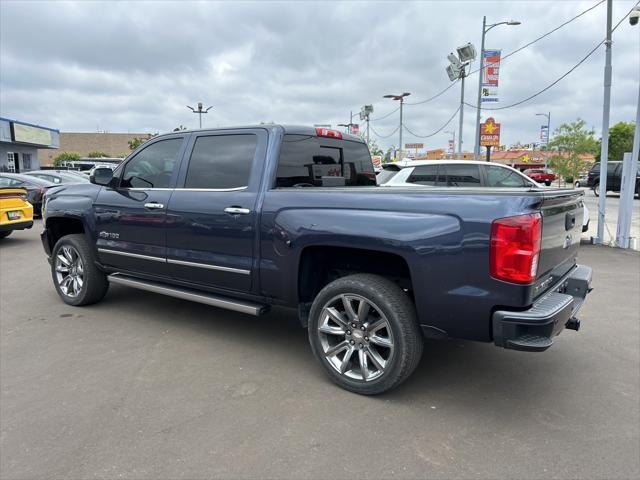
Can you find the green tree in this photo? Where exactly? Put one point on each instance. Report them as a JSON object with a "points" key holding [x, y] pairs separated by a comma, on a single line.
{"points": [[97, 154], [136, 142], [372, 144], [64, 157], [569, 142], [620, 140]]}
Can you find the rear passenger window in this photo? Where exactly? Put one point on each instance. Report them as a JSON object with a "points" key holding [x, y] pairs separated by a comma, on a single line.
{"points": [[504, 177], [460, 175], [221, 161], [307, 161], [426, 175]]}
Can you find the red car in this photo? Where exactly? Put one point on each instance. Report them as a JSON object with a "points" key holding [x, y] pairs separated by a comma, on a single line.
{"points": [[540, 175]]}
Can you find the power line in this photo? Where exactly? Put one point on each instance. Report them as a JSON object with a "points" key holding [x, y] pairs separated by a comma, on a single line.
{"points": [[435, 96], [542, 36], [555, 82], [437, 131], [385, 116], [512, 53], [384, 136]]}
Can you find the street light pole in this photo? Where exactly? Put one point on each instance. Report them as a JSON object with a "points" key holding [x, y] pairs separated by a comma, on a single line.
{"points": [[485, 30], [401, 98], [200, 111]]}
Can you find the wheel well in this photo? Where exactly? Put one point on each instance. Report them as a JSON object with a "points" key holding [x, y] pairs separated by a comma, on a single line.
{"points": [[59, 227], [321, 265]]}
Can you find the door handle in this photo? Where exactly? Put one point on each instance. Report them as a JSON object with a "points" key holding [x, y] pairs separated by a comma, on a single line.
{"points": [[153, 206], [237, 211]]}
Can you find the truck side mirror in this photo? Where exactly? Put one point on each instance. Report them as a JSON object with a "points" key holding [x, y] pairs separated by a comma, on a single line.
{"points": [[101, 176]]}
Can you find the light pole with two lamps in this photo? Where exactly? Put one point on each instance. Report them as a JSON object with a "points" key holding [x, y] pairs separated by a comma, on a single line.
{"points": [[200, 111]]}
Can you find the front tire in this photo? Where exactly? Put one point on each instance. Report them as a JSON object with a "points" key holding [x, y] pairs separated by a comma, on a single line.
{"points": [[547, 183], [596, 189], [364, 332], [75, 275]]}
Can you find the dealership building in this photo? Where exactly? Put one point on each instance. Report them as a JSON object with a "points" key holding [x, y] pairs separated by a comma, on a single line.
{"points": [[19, 144]]}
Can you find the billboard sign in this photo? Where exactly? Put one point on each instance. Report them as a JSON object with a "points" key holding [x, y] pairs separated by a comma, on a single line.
{"points": [[33, 135], [413, 146], [490, 75], [490, 133]]}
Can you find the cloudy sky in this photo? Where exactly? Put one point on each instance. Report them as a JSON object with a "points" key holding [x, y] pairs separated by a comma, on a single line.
{"points": [[133, 67]]}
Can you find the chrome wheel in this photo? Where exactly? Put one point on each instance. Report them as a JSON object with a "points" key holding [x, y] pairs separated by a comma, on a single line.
{"points": [[356, 337], [69, 271]]}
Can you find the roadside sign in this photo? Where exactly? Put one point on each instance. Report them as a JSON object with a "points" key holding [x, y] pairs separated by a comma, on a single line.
{"points": [[490, 133], [413, 146], [490, 75], [544, 134]]}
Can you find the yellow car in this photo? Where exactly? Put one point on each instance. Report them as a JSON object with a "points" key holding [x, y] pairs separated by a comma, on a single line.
{"points": [[15, 212]]}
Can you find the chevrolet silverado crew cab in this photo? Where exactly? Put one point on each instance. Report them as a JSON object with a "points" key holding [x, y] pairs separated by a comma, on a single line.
{"points": [[246, 218]]}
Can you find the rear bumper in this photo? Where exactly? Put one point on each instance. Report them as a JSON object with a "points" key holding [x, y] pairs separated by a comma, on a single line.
{"points": [[6, 227], [533, 329]]}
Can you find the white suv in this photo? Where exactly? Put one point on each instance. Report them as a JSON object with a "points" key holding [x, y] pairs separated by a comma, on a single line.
{"points": [[452, 173]]}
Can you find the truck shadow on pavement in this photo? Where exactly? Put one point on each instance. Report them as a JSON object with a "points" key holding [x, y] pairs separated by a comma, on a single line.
{"points": [[473, 376]]}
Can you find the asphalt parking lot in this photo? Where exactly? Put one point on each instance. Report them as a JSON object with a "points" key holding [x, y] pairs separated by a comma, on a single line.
{"points": [[144, 386]]}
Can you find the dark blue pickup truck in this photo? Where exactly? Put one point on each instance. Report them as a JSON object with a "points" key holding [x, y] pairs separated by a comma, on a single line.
{"points": [[245, 218]]}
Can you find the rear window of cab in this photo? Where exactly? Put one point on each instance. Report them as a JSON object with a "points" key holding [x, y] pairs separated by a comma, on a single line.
{"points": [[310, 161]]}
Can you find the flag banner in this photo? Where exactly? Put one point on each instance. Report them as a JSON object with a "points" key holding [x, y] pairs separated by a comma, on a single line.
{"points": [[544, 134], [355, 128], [490, 75]]}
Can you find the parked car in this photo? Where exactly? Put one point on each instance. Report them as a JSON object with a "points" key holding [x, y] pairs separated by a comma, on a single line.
{"points": [[614, 178], [58, 176], [458, 173], [16, 213], [541, 175], [452, 173], [35, 187], [246, 218], [582, 180]]}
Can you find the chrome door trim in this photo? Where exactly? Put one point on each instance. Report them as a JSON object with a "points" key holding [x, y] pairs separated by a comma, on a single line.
{"points": [[132, 255], [209, 266]]}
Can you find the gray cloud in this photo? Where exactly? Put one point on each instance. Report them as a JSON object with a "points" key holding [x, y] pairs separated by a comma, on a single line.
{"points": [[134, 66]]}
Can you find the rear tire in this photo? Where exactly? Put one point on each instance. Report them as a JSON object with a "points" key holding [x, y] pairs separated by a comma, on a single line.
{"points": [[381, 350], [75, 275], [596, 189], [547, 183], [5, 234]]}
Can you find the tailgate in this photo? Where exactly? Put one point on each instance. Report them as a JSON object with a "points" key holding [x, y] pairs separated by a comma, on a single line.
{"points": [[562, 212]]}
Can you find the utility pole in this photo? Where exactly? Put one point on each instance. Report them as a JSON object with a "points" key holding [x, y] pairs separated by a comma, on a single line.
{"points": [[401, 98], [604, 149], [200, 111], [462, 113], [629, 171]]}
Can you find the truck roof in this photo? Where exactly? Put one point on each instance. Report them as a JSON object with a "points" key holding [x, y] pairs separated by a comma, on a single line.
{"points": [[288, 129]]}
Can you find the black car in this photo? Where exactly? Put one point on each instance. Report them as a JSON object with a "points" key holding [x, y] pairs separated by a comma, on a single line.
{"points": [[614, 178], [35, 188], [59, 176]]}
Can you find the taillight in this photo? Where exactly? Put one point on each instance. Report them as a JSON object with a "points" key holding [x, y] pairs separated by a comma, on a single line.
{"points": [[325, 132], [514, 249]]}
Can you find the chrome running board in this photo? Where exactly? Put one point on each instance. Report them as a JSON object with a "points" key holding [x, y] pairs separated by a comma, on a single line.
{"points": [[192, 295]]}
